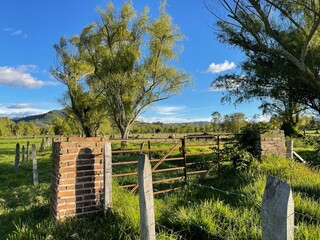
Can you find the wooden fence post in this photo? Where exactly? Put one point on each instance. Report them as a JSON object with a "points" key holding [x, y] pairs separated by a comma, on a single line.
{"points": [[149, 149], [35, 165], [183, 151], [107, 176], [17, 158], [47, 143], [277, 211], [41, 145], [28, 143], [289, 145], [146, 201], [22, 154]]}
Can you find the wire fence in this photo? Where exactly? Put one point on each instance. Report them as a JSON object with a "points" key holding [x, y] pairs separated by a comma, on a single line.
{"points": [[183, 234]]}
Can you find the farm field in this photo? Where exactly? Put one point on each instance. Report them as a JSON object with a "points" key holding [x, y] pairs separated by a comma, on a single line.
{"points": [[225, 206]]}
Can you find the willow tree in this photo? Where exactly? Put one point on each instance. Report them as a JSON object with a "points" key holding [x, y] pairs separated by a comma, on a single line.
{"points": [[281, 41], [72, 70], [133, 59]]}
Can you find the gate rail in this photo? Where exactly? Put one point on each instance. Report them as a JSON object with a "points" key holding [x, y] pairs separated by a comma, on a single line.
{"points": [[173, 164]]}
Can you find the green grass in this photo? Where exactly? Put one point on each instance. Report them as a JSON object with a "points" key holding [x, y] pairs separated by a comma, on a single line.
{"points": [[196, 212]]}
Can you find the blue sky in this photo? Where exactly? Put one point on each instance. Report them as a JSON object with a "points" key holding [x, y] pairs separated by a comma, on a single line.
{"points": [[29, 29]]}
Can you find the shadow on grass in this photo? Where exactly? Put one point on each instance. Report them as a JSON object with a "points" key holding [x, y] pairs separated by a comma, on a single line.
{"points": [[39, 224], [311, 156], [30, 215]]}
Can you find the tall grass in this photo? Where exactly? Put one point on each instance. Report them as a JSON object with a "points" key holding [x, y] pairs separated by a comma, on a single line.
{"points": [[228, 210]]}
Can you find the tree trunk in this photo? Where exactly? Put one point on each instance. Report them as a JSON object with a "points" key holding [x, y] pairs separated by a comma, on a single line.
{"points": [[125, 134], [89, 131]]}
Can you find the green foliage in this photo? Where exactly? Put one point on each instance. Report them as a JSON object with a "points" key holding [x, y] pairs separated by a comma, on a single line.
{"points": [[121, 64], [9, 128], [65, 127], [79, 100], [241, 158], [280, 40], [6, 127], [234, 122], [278, 35], [195, 212]]}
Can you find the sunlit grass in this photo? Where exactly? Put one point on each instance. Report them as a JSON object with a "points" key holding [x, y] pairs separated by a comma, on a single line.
{"points": [[192, 213]]}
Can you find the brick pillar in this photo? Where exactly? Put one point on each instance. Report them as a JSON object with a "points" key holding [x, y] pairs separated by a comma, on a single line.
{"points": [[271, 143], [77, 176]]}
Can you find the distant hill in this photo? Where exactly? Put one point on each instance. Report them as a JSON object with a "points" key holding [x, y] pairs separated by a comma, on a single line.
{"points": [[47, 118], [43, 119]]}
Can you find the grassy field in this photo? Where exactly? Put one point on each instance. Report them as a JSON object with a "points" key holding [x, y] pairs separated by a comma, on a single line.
{"points": [[196, 212]]}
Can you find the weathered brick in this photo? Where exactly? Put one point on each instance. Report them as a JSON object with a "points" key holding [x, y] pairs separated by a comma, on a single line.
{"points": [[68, 170], [80, 190], [68, 157], [84, 179], [65, 194], [66, 181], [66, 188], [83, 191], [69, 206]]}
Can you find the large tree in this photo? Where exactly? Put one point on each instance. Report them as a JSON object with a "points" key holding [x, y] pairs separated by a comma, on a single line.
{"points": [[270, 81], [72, 70], [121, 64], [133, 60], [281, 41]]}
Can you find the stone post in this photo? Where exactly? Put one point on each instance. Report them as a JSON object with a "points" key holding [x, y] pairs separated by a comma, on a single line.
{"points": [[17, 158], [35, 165], [107, 176], [146, 201], [277, 211], [289, 145], [22, 154]]}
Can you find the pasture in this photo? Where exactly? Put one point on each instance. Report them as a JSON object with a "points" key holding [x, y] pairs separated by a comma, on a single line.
{"points": [[223, 206]]}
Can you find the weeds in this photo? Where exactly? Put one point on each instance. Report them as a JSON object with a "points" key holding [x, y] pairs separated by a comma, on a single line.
{"points": [[192, 213]]}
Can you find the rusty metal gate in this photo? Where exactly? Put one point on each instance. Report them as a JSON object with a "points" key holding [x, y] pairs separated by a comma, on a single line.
{"points": [[177, 160]]}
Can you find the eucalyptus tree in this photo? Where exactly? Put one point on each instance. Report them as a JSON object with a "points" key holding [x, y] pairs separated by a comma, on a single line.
{"points": [[72, 70], [133, 60], [234, 122], [7, 127], [270, 80], [216, 121], [281, 41]]}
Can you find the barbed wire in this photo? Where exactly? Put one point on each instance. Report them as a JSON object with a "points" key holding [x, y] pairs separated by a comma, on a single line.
{"points": [[308, 216], [241, 195]]}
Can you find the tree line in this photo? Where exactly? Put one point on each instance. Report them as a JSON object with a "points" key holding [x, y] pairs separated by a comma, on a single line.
{"points": [[230, 123]]}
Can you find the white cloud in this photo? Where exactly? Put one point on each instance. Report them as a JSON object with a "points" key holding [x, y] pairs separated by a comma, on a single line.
{"points": [[217, 68], [172, 114], [19, 105], [7, 29], [173, 119], [168, 110], [15, 32], [19, 110], [21, 77], [259, 118]]}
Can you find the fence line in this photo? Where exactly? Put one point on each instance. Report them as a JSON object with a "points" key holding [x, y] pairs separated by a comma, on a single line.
{"points": [[225, 192], [308, 216], [276, 209], [35, 165]]}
